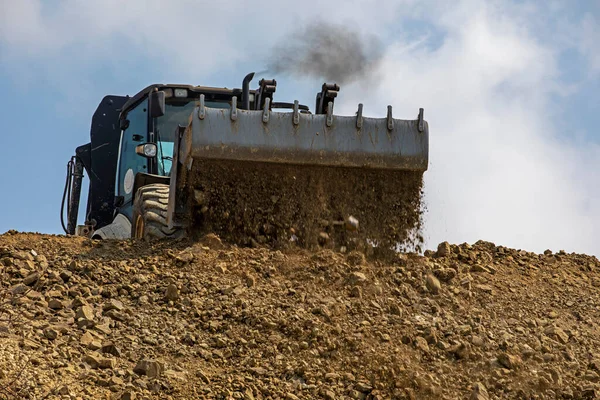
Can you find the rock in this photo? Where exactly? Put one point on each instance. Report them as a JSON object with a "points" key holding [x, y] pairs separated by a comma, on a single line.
{"points": [[93, 360], [479, 268], [260, 371], [115, 381], [431, 335], [185, 257], [108, 363], [172, 292], [66, 275], [175, 375], [35, 295], [509, 361], [128, 395], [29, 344], [356, 258], [113, 304], [31, 278], [116, 315], [465, 282], [19, 289], [56, 304], [351, 224], [445, 274], [212, 241], [200, 374], [63, 391], [78, 302], [149, 368], [421, 344], [200, 197], [111, 348], [332, 376], [356, 292], [557, 334], [395, 309], [363, 387], [250, 280], [103, 328], [50, 333], [548, 357], [462, 351], [323, 238], [479, 392], [22, 255], [556, 377], [95, 345], [356, 278], [485, 288], [433, 284], [444, 249], [85, 312], [86, 339]]}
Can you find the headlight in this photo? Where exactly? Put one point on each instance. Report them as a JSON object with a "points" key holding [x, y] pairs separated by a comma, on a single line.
{"points": [[147, 150], [181, 93]]}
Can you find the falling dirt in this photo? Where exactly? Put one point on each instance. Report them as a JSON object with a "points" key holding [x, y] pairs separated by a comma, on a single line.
{"points": [[83, 319], [307, 206]]}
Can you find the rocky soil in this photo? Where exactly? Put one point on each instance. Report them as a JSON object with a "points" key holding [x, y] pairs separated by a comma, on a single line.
{"points": [[82, 319]]}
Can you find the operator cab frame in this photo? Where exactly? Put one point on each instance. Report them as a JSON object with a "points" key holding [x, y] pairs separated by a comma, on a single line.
{"points": [[148, 123]]}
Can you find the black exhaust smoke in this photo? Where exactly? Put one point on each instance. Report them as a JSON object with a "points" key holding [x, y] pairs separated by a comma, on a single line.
{"points": [[325, 50]]}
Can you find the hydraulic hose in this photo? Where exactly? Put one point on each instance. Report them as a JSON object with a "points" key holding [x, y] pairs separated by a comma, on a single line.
{"points": [[67, 193]]}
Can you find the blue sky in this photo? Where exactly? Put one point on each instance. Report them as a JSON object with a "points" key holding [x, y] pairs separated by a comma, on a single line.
{"points": [[510, 89]]}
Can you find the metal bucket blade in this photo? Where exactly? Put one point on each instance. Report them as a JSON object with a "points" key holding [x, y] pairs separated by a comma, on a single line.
{"points": [[286, 178], [292, 138]]}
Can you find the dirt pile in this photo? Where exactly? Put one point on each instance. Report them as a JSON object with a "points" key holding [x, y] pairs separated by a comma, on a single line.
{"points": [[129, 320]]}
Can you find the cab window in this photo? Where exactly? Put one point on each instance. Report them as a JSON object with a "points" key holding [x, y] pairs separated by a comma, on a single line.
{"points": [[131, 163]]}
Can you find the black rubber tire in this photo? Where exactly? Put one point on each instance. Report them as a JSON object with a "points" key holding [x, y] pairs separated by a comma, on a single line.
{"points": [[150, 214]]}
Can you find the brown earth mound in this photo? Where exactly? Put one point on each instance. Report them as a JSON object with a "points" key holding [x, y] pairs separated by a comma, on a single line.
{"points": [[96, 320]]}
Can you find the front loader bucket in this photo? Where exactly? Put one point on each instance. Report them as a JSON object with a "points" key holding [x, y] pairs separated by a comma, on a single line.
{"points": [[292, 177]]}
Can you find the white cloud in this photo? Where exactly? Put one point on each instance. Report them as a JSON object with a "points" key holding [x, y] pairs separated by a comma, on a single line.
{"points": [[589, 42], [207, 35], [498, 169]]}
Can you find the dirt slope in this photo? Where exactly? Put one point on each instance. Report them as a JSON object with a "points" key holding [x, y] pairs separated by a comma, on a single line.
{"points": [[87, 319]]}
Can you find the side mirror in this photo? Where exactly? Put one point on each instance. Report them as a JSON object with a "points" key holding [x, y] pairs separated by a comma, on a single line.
{"points": [[123, 124], [147, 150], [157, 104]]}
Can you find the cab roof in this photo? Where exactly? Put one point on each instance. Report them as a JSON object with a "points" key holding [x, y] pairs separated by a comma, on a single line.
{"points": [[217, 93]]}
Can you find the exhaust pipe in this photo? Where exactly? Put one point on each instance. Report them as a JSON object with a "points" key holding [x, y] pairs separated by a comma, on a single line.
{"points": [[246, 91]]}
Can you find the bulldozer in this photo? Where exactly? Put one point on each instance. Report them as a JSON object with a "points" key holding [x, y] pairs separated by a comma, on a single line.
{"points": [[183, 160]]}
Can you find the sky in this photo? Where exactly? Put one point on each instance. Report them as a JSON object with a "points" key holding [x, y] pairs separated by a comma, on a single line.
{"points": [[511, 92]]}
